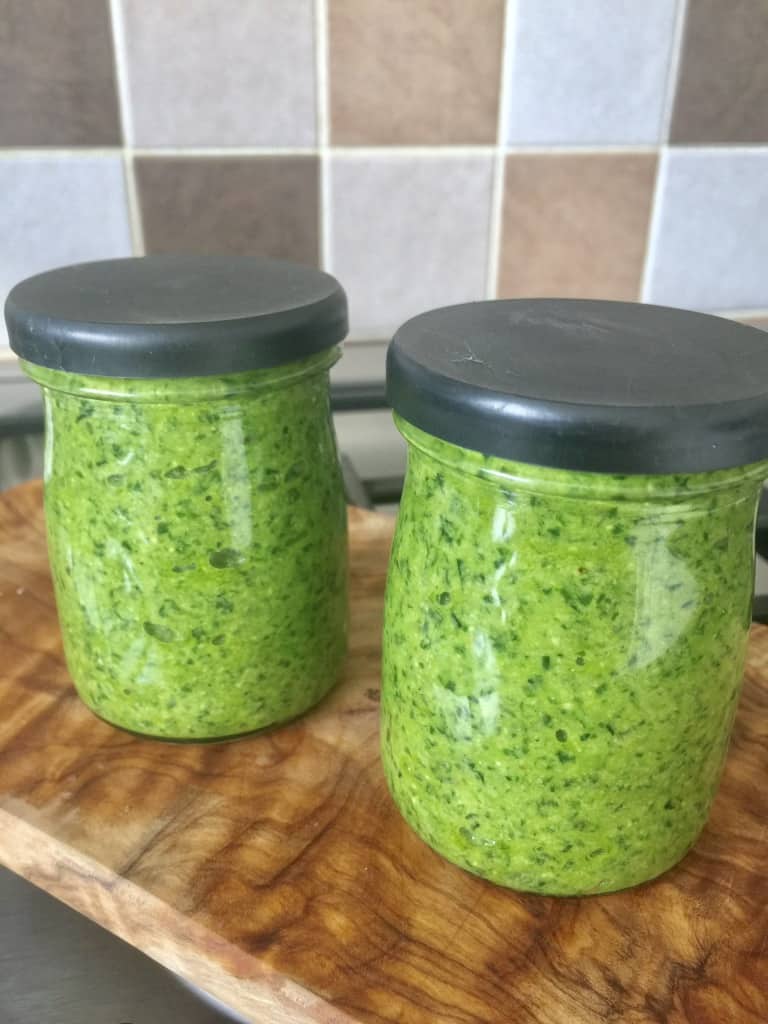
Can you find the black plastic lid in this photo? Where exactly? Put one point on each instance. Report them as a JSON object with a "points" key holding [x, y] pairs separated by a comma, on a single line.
{"points": [[611, 387], [175, 316]]}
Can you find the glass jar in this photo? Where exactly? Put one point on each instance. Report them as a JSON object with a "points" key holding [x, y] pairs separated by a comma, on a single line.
{"points": [[565, 631], [196, 523]]}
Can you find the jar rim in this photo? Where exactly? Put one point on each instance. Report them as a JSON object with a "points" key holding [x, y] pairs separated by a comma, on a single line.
{"points": [[592, 385], [647, 488], [181, 390], [175, 316]]}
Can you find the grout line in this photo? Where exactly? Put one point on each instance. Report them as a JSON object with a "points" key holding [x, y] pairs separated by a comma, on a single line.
{"points": [[343, 152], [52, 153], [675, 55], [121, 71], [224, 151], [720, 149], [600, 148], [654, 226], [126, 120], [377, 341], [360, 340], [743, 314], [497, 194], [134, 204], [323, 133], [654, 223], [437, 152]]}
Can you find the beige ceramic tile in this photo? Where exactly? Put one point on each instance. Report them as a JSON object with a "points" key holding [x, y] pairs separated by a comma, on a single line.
{"points": [[242, 205], [722, 93], [224, 73], [408, 233], [56, 210], [575, 225], [710, 240], [414, 71], [588, 73], [57, 85]]}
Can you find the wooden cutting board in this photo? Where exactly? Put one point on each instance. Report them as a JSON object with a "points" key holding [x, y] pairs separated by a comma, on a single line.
{"points": [[276, 873]]}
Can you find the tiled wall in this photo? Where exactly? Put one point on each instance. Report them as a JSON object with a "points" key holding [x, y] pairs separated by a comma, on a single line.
{"points": [[426, 151]]}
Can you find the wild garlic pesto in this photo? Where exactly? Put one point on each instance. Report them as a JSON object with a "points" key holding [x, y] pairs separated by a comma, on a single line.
{"points": [[562, 662], [194, 502], [571, 581], [197, 535]]}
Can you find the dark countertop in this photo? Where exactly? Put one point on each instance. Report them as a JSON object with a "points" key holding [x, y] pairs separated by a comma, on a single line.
{"points": [[57, 966]]}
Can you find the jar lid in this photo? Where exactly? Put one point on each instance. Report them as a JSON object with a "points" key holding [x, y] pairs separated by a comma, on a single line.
{"points": [[611, 387], [175, 316]]}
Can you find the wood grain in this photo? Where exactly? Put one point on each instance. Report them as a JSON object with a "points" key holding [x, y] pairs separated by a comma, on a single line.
{"points": [[276, 872]]}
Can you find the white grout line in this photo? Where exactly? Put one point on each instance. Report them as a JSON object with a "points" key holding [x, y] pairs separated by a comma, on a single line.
{"points": [[499, 162], [675, 55], [351, 152], [121, 70], [434, 152], [721, 149], [654, 226], [743, 314], [134, 206], [52, 153], [566, 149], [364, 338], [321, 71], [325, 224], [377, 341], [126, 118], [371, 348], [224, 151]]}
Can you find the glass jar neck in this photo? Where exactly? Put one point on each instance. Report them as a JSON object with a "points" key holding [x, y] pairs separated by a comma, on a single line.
{"points": [[667, 488], [182, 389]]}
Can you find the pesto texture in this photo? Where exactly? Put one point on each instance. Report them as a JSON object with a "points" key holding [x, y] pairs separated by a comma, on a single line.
{"points": [[197, 537], [563, 656]]}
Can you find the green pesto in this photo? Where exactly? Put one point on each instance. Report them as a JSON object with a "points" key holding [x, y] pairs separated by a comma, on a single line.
{"points": [[197, 537], [562, 662]]}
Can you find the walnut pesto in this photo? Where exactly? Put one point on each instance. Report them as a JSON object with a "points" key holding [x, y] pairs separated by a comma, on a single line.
{"points": [[570, 587], [194, 503]]}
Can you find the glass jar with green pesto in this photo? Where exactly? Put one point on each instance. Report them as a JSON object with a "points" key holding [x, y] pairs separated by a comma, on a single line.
{"points": [[570, 585], [194, 504]]}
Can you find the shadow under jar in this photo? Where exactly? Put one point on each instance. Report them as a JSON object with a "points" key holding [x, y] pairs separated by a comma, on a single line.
{"points": [[570, 585], [194, 504]]}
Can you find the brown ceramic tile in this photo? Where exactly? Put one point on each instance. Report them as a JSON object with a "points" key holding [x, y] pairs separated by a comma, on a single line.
{"points": [[414, 71], [57, 81], [575, 225], [242, 205], [722, 91]]}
